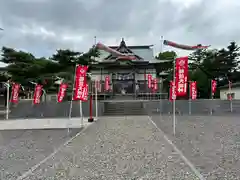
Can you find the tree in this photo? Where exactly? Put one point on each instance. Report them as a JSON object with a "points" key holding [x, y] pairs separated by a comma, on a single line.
{"points": [[165, 68], [23, 67], [221, 65]]}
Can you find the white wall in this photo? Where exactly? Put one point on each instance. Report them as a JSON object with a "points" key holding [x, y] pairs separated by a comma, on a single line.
{"points": [[235, 90]]}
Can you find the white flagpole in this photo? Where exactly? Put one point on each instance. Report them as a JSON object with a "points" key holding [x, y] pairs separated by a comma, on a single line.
{"points": [[81, 112], [161, 80], [70, 108], [96, 99], [96, 88], [189, 100], [211, 99], [174, 99], [160, 90], [8, 95], [230, 93]]}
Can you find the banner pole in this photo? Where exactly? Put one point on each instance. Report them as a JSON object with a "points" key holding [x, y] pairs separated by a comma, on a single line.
{"points": [[71, 103], [230, 95], [81, 112], [96, 84], [160, 79], [189, 100], [174, 99], [211, 99], [160, 90], [7, 103], [96, 99]]}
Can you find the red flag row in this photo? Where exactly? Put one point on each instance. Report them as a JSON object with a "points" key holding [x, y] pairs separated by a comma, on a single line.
{"points": [[80, 91], [181, 81]]}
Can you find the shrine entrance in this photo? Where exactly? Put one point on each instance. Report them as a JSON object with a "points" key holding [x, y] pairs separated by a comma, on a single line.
{"points": [[123, 83], [123, 87]]}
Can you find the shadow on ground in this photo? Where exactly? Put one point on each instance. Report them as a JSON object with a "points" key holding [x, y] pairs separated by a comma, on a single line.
{"points": [[22, 149]]}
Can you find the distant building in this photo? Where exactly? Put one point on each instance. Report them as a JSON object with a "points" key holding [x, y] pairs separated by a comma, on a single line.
{"points": [[225, 92]]}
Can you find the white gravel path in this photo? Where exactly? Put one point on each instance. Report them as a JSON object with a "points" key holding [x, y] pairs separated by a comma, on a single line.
{"points": [[116, 148]]}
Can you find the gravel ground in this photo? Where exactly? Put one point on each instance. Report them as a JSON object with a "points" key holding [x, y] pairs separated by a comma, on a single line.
{"points": [[116, 148], [22, 149], [212, 143]]}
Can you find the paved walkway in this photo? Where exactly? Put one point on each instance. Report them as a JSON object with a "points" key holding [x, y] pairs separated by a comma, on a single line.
{"points": [[112, 149]]}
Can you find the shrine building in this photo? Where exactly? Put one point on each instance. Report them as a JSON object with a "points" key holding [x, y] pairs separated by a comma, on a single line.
{"points": [[128, 76]]}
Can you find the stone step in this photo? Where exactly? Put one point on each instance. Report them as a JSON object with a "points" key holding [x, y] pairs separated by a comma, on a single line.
{"points": [[124, 108]]}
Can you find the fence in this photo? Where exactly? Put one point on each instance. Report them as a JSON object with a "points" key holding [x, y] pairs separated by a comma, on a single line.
{"points": [[196, 107]]}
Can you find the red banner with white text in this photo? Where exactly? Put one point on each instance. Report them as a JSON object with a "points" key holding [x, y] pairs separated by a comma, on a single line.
{"points": [[149, 78], [181, 76], [37, 94], [155, 84], [172, 91], [193, 90], [84, 96], [107, 83], [62, 92], [80, 81], [214, 86], [15, 92]]}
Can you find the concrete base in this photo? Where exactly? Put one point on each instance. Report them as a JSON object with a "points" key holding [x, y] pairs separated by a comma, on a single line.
{"points": [[90, 119]]}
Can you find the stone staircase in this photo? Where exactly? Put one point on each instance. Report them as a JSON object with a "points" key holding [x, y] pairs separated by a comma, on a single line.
{"points": [[127, 108]]}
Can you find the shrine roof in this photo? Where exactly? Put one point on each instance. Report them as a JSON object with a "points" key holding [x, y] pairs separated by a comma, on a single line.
{"points": [[124, 49]]}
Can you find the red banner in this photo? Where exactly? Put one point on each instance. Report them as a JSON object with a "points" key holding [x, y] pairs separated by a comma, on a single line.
{"points": [[80, 81], [62, 92], [172, 91], [155, 84], [214, 86], [149, 77], [181, 76], [107, 83], [193, 90], [37, 94], [84, 96], [15, 92]]}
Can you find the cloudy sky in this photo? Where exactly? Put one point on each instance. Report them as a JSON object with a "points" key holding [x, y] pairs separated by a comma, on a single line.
{"points": [[42, 26]]}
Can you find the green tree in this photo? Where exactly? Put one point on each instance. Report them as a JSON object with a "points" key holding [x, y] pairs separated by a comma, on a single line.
{"points": [[165, 68], [23, 67]]}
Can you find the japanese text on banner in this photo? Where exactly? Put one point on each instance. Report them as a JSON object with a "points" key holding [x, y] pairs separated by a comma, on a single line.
{"points": [[214, 86], [155, 84], [84, 96], [15, 92], [80, 81], [181, 76], [193, 90], [149, 77], [37, 94], [62, 92], [172, 91]]}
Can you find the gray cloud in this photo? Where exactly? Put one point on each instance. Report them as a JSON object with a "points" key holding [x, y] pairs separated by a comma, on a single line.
{"points": [[41, 26]]}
